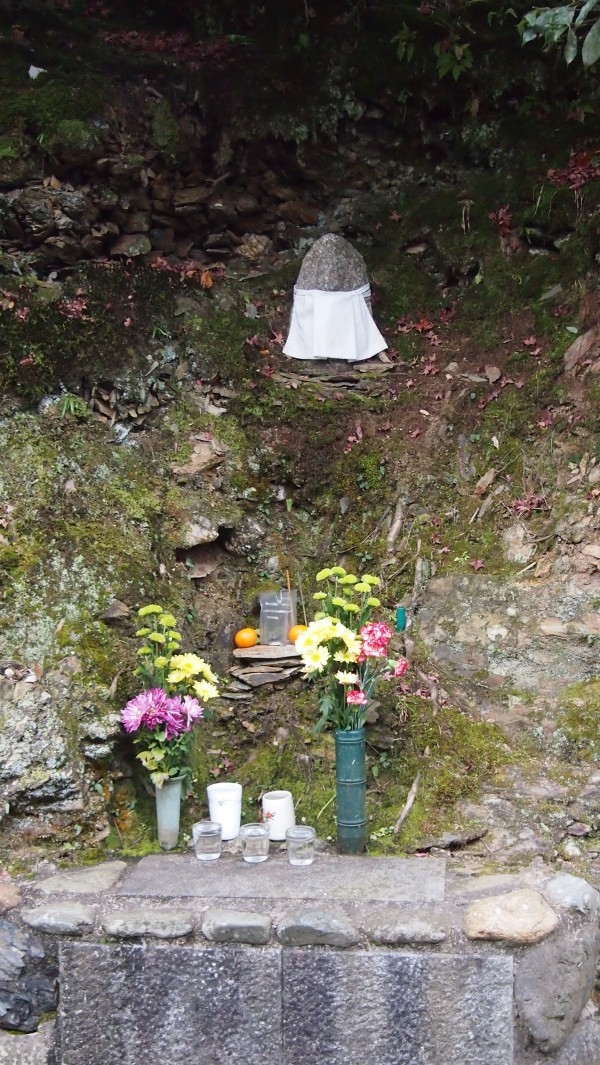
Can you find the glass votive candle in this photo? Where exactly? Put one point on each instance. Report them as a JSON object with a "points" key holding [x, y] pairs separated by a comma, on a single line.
{"points": [[255, 842], [207, 840], [300, 844]]}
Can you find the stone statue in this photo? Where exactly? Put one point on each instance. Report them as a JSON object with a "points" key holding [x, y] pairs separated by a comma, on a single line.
{"points": [[331, 314]]}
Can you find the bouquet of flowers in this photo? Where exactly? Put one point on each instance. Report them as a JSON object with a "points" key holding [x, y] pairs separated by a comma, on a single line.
{"points": [[163, 715], [344, 651]]}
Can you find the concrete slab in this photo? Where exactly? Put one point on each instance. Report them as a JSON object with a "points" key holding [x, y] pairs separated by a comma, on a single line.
{"points": [[396, 1009], [331, 877]]}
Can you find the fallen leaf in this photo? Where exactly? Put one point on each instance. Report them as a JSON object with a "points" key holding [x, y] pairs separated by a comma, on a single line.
{"points": [[484, 482], [476, 563], [493, 373], [206, 280]]}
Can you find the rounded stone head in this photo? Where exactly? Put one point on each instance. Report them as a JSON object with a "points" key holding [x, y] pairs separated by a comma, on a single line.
{"points": [[332, 265]]}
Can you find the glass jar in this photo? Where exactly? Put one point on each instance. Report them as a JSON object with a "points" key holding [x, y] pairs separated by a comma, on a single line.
{"points": [[207, 840], [255, 843], [300, 844]]}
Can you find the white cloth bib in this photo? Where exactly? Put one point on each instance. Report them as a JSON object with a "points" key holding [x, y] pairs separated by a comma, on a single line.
{"points": [[333, 325]]}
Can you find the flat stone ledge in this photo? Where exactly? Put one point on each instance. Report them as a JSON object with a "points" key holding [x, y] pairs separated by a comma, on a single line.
{"points": [[331, 878], [236, 926], [161, 924], [317, 927], [90, 881], [61, 918]]}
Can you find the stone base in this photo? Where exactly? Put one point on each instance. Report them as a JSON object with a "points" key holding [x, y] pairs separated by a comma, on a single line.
{"points": [[351, 961]]}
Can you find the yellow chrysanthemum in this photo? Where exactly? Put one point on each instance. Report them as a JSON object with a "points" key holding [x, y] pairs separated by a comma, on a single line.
{"points": [[174, 635], [189, 664], [320, 595], [362, 587], [338, 601], [353, 646], [368, 578], [307, 641], [346, 678], [323, 574], [167, 621], [205, 691], [156, 637], [338, 571], [160, 661], [144, 651], [351, 608], [143, 632], [176, 676], [348, 579], [347, 591], [152, 608], [373, 601], [344, 656], [315, 660]]}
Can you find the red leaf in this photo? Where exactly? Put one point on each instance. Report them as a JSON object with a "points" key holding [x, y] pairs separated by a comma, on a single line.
{"points": [[476, 563]]}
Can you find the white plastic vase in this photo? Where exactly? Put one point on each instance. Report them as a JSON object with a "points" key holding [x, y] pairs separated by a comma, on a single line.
{"points": [[168, 807], [278, 813], [225, 807]]}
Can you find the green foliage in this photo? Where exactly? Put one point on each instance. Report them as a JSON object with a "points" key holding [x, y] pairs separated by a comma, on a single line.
{"points": [[571, 26]]}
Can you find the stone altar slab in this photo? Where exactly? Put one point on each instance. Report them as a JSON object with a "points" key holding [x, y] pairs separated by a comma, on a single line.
{"points": [[330, 877], [396, 1008], [169, 1005]]}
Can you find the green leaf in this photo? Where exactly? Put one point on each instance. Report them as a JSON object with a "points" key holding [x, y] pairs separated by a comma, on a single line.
{"points": [[583, 14], [590, 51], [571, 46]]}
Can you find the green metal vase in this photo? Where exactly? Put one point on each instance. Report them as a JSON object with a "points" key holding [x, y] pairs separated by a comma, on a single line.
{"points": [[351, 790]]}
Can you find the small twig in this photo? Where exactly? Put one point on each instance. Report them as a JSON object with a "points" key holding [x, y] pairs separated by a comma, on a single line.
{"points": [[302, 599], [530, 566], [115, 823], [408, 805], [395, 526], [323, 808]]}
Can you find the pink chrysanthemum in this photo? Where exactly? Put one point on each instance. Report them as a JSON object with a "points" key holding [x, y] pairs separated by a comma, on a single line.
{"points": [[192, 711], [152, 709], [356, 697]]}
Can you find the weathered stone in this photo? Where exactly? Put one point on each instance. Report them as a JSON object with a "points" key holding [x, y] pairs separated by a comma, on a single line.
{"points": [[317, 927], [186, 199], [131, 244], [554, 981], [582, 1047], [573, 893], [521, 916], [27, 979], [33, 1049], [69, 918], [199, 530], [457, 611], [236, 926], [395, 1008], [169, 1003], [394, 925], [330, 878], [299, 213], [162, 924], [477, 887], [9, 897], [332, 265], [88, 881]]}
